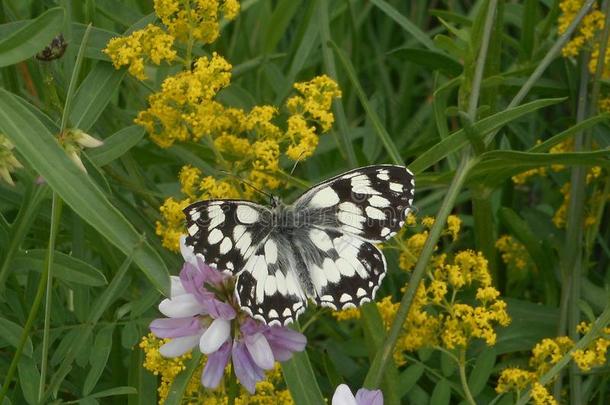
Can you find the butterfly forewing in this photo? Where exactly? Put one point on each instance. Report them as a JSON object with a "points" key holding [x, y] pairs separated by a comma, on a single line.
{"points": [[226, 232], [370, 202]]}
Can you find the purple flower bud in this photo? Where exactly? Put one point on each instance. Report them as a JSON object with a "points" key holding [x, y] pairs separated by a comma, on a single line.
{"points": [[246, 370], [215, 366], [175, 327]]}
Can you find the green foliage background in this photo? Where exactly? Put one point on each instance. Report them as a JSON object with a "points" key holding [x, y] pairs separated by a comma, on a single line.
{"points": [[408, 73]]}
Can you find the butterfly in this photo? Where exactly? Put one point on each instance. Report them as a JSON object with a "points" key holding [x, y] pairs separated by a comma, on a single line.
{"points": [[321, 247]]}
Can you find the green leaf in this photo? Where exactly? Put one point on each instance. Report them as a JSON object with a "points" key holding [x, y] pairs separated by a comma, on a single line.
{"points": [[29, 378], [113, 392], [98, 39], [380, 130], [404, 22], [431, 59], [11, 333], [65, 267], [483, 366], [31, 38], [176, 391], [94, 94], [458, 139], [441, 395], [42, 152], [99, 357], [408, 378], [301, 380], [116, 145], [280, 19]]}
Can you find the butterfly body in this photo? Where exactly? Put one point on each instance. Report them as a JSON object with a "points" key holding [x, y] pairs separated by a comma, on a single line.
{"points": [[320, 248]]}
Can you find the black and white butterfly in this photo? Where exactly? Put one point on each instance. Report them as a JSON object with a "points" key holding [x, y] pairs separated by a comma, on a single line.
{"points": [[319, 248]]}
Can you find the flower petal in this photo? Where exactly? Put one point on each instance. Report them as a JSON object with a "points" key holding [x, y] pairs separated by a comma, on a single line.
{"points": [[215, 336], [343, 396], [260, 350], [215, 366], [178, 346], [175, 327], [369, 397], [246, 371], [181, 306], [219, 309], [176, 288], [188, 252], [284, 341]]}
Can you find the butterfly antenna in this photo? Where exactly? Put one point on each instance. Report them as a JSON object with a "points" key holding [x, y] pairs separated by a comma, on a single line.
{"points": [[296, 163], [247, 183]]}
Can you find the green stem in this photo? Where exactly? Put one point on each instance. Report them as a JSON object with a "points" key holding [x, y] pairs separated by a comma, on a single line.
{"points": [[25, 334], [55, 217], [596, 331], [462, 367], [330, 67], [382, 357], [232, 388], [22, 223]]}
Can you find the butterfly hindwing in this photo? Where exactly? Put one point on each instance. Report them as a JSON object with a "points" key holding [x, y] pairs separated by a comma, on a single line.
{"points": [[347, 270], [369, 202], [226, 232], [268, 287]]}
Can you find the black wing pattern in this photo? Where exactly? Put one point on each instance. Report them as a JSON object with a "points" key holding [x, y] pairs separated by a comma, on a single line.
{"points": [[226, 232]]}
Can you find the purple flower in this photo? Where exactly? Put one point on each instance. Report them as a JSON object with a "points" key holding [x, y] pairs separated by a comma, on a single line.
{"points": [[202, 310], [343, 396]]}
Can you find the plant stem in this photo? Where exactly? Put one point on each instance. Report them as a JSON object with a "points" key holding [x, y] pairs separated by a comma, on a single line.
{"points": [[232, 388], [462, 367], [596, 330], [375, 373], [55, 217]]}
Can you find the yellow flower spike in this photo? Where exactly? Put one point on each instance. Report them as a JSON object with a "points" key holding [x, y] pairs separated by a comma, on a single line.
{"points": [[514, 379], [189, 178], [149, 44], [454, 224], [541, 396], [172, 225]]}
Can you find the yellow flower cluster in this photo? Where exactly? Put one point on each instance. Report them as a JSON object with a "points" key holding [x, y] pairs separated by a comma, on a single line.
{"points": [[195, 20], [270, 391], [186, 21], [8, 161], [547, 353], [515, 255], [246, 144], [148, 44], [437, 317], [166, 368], [587, 34]]}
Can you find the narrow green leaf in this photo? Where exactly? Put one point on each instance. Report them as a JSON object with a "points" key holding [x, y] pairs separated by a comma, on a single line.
{"points": [[301, 380], [113, 392], [380, 130], [483, 366], [458, 139], [11, 333], [431, 59], [572, 131], [31, 38], [441, 395], [98, 39], [280, 19], [94, 94], [41, 150], [98, 357], [408, 378], [116, 145], [142, 380], [176, 391], [404, 22], [65, 267], [29, 378]]}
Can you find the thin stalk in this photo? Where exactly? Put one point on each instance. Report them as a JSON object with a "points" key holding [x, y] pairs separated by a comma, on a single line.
{"points": [[596, 331], [232, 389], [24, 335], [571, 271], [329, 65], [376, 371], [20, 226], [546, 61], [73, 80], [55, 217], [462, 367]]}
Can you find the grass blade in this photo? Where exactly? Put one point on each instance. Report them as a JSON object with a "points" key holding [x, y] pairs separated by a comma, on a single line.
{"points": [[301, 380]]}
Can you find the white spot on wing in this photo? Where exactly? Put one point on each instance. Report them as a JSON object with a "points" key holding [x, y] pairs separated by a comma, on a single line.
{"points": [[270, 285], [320, 239], [270, 251], [246, 214], [193, 229], [351, 219], [350, 207], [215, 236], [374, 213], [244, 243], [361, 292], [330, 270], [195, 215], [225, 246], [326, 197], [216, 220], [396, 187], [345, 297], [377, 201], [238, 231], [385, 232]]}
